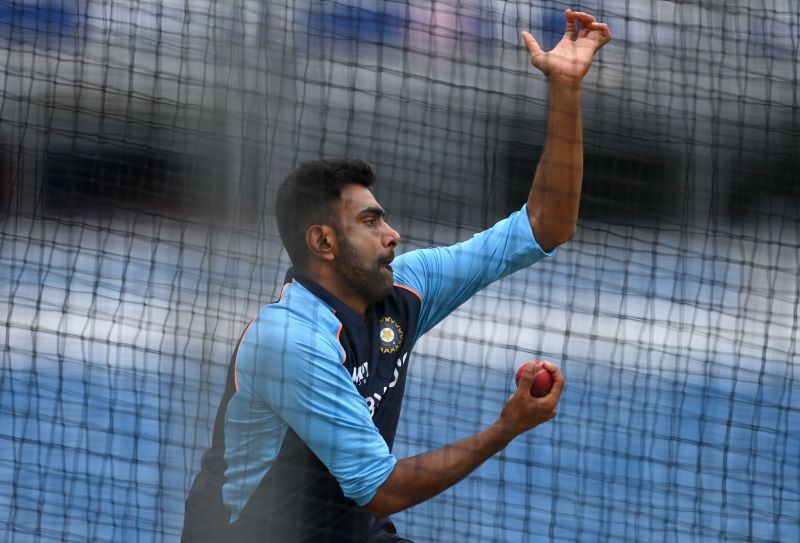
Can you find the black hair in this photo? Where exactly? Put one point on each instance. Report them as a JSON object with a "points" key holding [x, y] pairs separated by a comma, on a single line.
{"points": [[308, 195]]}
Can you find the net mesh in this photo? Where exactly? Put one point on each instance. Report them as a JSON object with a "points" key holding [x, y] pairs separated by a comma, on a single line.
{"points": [[140, 147]]}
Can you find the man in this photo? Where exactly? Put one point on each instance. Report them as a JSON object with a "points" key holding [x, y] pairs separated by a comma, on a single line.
{"points": [[303, 436]]}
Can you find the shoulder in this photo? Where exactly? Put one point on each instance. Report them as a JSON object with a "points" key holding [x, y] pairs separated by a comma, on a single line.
{"points": [[298, 325], [299, 314], [405, 292]]}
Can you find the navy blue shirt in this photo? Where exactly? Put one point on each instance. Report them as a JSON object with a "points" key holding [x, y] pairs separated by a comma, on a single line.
{"points": [[305, 428]]}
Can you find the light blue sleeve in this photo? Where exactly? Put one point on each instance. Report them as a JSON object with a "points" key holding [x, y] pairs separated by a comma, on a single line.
{"points": [[301, 376], [446, 277]]}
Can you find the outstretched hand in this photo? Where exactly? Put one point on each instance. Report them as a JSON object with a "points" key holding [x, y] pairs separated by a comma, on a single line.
{"points": [[571, 58]]}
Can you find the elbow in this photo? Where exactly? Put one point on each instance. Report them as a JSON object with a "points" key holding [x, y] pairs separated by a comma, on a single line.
{"points": [[393, 496], [550, 234], [567, 235], [379, 507], [549, 240]]}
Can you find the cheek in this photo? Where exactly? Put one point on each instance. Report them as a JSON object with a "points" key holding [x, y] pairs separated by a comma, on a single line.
{"points": [[359, 247], [367, 244]]}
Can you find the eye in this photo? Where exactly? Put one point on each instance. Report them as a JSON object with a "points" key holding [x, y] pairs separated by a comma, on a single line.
{"points": [[370, 222]]}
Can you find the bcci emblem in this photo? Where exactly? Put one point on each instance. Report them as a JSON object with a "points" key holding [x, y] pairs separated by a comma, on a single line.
{"points": [[391, 335]]}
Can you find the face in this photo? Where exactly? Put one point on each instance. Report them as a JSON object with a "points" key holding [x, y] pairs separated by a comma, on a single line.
{"points": [[365, 244]]}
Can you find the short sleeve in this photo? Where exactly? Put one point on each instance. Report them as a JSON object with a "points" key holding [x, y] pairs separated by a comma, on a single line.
{"points": [[446, 277], [299, 374]]}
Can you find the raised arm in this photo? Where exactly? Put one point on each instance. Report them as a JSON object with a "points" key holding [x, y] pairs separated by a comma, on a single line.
{"points": [[421, 477], [555, 194]]}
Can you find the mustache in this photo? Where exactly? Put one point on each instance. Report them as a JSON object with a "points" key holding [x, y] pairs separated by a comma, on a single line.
{"points": [[386, 260]]}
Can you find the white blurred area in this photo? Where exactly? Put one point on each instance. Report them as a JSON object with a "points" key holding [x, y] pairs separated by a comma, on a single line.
{"points": [[692, 304]]}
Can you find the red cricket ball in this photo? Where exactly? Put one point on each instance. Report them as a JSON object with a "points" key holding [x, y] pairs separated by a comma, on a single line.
{"points": [[542, 380]]}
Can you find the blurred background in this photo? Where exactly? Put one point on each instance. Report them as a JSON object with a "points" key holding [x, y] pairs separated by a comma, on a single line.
{"points": [[141, 143]]}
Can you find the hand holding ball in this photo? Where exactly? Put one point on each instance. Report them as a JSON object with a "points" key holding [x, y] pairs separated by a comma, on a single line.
{"points": [[542, 380]]}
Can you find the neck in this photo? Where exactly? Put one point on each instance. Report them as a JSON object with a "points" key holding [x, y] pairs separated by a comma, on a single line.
{"points": [[333, 283]]}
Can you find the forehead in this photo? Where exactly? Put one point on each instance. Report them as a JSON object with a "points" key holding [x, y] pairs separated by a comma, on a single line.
{"points": [[357, 198]]}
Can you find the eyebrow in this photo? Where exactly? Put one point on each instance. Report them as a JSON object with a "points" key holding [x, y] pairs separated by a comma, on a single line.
{"points": [[379, 211]]}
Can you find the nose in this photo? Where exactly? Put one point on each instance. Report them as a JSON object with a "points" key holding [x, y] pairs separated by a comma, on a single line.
{"points": [[391, 238]]}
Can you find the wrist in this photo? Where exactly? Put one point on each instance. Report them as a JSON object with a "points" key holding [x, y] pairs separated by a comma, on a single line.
{"points": [[502, 432], [562, 85]]}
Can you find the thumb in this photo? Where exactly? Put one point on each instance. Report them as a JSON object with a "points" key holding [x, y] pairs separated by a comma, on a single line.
{"points": [[526, 379], [571, 25]]}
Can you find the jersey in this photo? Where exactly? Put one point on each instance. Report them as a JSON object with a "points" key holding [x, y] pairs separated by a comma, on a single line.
{"points": [[304, 432]]}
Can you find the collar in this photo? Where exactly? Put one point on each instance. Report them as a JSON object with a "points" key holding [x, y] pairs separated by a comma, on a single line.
{"points": [[343, 312]]}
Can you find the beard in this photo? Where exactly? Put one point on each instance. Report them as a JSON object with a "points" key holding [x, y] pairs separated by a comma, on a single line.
{"points": [[371, 282]]}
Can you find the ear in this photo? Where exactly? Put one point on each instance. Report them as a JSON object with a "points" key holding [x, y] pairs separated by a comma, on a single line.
{"points": [[321, 241]]}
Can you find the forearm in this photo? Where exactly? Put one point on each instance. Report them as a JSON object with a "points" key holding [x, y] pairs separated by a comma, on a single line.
{"points": [[555, 194], [421, 477]]}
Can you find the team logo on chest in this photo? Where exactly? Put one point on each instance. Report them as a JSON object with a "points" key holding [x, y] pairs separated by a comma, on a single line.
{"points": [[390, 334]]}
